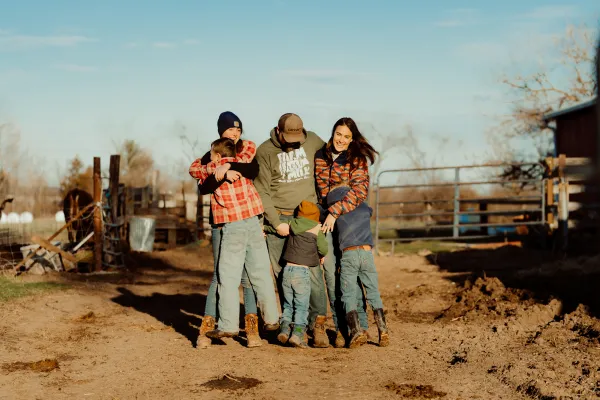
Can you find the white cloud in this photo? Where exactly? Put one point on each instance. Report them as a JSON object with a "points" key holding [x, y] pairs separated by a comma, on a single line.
{"points": [[76, 68], [163, 45], [10, 41]]}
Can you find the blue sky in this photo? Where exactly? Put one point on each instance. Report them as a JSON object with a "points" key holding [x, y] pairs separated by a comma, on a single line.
{"points": [[77, 76]]}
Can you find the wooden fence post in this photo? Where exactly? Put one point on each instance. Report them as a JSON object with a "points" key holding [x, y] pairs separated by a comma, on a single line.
{"points": [[98, 240], [115, 160]]}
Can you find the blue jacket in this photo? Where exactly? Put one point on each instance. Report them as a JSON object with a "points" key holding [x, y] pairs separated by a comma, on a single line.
{"points": [[353, 228]]}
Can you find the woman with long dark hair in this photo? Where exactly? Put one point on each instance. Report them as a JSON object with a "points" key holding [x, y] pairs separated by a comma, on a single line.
{"points": [[342, 179]]}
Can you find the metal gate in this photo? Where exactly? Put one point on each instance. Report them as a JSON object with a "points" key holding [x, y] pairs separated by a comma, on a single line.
{"points": [[442, 203]]}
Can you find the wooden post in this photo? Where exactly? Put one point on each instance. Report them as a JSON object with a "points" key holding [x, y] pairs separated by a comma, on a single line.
{"points": [[155, 176], [98, 241], [598, 107], [113, 186], [550, 191], [113, 190]]}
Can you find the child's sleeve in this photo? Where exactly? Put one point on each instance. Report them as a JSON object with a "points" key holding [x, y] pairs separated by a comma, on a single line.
{"points": [[201, 172], [248, 152], [322, 244]]}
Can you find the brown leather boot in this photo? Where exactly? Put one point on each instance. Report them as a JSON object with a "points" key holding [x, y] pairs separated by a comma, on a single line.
{"points": [[357, 335], [251, 327], [208, 324], [319, 334], [340, 342], [384, 335]]}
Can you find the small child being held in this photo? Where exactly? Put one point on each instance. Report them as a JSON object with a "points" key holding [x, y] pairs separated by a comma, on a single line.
{"points": [[305, 248]]}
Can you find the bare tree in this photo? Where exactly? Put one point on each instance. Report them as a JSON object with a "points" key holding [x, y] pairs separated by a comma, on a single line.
{"points": [[536, 94], [77, 176], [10, 137], [137, 164]]}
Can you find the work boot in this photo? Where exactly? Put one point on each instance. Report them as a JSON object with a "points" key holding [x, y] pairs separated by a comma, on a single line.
{"points": [[384, 335], [319, 334], [340, 342], [208, 324], [357, 335], [251, 327], [298, 338], [218, 334], [284, 332], [271, 327]]}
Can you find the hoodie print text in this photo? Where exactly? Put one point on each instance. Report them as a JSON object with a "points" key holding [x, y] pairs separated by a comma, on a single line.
{"points": [[294, 166]]}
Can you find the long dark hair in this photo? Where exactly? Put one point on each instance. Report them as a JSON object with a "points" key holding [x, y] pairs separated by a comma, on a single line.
{"points": [[359, 149]]}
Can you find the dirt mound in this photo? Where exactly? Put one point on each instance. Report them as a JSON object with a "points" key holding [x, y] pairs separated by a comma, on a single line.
{"points": [[410, 391], [46, 365], [230, 382], [487, 297]]}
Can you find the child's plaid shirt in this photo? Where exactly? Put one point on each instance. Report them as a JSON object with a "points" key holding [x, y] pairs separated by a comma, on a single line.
{"points": [[231, 201]]}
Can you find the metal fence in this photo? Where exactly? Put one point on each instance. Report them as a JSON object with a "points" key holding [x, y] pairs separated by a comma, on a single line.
{"points": [[443, 209]]}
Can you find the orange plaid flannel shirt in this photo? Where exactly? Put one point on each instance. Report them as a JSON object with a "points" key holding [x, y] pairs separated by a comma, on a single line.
{"points": [[232, 201]]}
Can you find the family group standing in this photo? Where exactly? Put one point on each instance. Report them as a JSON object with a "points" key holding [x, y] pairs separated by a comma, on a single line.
{"points": [[295, 209]]}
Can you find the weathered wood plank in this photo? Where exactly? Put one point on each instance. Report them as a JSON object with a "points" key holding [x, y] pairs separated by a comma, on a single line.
{"points": [[49, 246]]}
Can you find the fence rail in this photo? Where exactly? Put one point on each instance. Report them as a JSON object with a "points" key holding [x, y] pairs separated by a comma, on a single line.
{"points": [[464, 216]]}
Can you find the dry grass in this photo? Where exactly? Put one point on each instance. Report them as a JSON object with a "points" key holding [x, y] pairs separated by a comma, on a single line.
{"points": [[11, 288]]}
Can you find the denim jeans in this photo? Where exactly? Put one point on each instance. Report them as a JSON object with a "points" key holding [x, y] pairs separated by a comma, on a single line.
{"points": [[211, 298], [359, 263], [242, 243], [296, 293], [318, 298], [332, 279]]}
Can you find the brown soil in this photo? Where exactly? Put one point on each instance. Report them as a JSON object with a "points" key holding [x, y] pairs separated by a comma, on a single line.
{"points": [[490, 324]]}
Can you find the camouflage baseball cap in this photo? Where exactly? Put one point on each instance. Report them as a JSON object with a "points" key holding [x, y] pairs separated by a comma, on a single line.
{"points": [[292, 128]]}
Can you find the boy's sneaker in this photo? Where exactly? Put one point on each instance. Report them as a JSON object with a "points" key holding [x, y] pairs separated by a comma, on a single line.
{"points": [[298, 339], [284, 332]]}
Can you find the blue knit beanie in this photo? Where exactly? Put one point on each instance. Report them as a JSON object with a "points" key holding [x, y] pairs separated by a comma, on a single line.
{"points": [[228, 120]]}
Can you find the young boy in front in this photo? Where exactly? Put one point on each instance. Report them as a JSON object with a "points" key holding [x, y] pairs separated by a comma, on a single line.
{"points": [[237, 206], [305, 248]]}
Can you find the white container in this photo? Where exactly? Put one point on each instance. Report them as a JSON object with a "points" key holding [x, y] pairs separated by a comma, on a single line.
{"points": [[142, 233]]}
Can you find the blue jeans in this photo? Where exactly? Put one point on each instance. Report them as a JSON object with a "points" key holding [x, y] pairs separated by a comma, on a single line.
{"points": [[335, 293], [242, 243], [318, 298], [296, 292], [211, 298], [361, 264]]}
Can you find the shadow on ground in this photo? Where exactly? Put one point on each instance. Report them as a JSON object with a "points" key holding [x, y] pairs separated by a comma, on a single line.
{"points": [[574, 281]]}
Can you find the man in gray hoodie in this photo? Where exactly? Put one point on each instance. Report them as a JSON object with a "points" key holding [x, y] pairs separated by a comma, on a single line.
{"points": [[286, 178]]}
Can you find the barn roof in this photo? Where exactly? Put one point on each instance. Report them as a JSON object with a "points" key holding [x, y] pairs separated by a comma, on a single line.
{"points": [[567, 110]]}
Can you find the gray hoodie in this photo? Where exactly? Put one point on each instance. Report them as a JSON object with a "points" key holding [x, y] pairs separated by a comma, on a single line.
{"points": [[286, 178]]}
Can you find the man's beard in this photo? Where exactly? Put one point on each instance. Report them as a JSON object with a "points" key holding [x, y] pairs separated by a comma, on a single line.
{"points": [[287, 147]]}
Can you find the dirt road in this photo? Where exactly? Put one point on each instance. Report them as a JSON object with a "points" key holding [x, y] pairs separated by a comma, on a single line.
{"points": [[133, 337]]}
